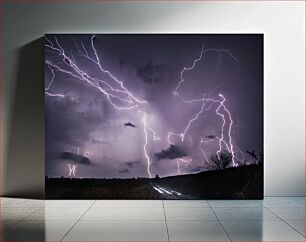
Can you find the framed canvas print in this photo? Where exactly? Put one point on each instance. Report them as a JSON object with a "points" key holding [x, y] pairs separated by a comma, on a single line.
{"points": [[154, 116]]}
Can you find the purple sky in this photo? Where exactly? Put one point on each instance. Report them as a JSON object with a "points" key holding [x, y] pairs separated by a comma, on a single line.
{"points": [[83, 128]]}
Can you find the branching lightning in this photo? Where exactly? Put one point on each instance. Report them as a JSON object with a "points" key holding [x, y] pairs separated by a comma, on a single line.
{"points": [[124, 100], [50, 84], [108, 88], [221, 105], [203, 51]]}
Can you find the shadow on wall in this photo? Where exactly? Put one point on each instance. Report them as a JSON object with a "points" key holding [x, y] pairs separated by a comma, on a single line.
{"points": [[24, 170]]}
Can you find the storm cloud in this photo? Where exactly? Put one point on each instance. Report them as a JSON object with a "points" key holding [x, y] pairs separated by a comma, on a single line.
{"points": [[123, 170], [78, 159], [171, 153], [152, 73], [132, 164]]}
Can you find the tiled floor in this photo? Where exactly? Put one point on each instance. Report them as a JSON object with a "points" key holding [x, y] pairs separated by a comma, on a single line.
{"points": [[274, 219]]}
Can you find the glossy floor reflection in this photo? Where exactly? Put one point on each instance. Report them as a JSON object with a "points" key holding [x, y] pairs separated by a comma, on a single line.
{"points": [[274, 219]]}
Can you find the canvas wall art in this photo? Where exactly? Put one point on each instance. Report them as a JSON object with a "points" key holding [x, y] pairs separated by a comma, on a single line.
{"points": [[154, 116]]}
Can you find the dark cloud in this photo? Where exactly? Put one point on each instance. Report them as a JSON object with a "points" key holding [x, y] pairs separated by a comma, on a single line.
{"points": [[152, 73], [62, 115], [132, 164], [252, 154], [129, 124], [126, 167], [124, 170], [123, 61], [79, 159], [171, 153]]}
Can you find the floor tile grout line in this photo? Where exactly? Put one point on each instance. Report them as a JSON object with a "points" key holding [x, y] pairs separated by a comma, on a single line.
{"points": [[166, 220], [77, 221], [209, 206], [286, 207], [285, 196], [294, 199], [300, 202], [285, 222], [219, 222], [24, 218], [19, 221]]}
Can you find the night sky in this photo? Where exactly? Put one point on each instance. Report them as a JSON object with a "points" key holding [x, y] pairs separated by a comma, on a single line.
{"points": [[84, 128]]}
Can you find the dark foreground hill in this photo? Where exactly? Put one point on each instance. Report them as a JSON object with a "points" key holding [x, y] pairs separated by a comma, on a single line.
{"points": [[244, 182]]}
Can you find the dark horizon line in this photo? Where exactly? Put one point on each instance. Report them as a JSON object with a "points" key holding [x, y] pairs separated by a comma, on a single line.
{"points": [[120, 178]]}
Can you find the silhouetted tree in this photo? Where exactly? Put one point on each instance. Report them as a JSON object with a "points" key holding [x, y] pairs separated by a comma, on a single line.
{"points": [[258, 157], [252, 154], [221, 162]]}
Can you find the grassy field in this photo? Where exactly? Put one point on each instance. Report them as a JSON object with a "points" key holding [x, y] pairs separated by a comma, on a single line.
{"points": [[244, 182]]}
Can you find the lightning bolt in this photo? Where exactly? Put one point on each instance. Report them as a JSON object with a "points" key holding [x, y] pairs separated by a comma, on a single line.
{"points": [[50, 84], [72, 170], [203, 51], [203, 151], [182, 135], [229, 129], [202, 141], [185, 161], [145, 130], [155, 137]]}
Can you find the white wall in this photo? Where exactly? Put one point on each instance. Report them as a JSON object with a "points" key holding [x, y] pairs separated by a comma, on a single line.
{"points": [[283, 26]]}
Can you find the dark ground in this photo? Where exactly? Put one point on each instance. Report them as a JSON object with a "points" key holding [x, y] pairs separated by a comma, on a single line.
{"points": [[244, 182]]}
